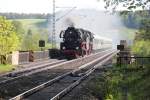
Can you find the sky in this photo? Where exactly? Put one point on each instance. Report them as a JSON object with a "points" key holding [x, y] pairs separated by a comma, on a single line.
{"points": [[45, 6]]}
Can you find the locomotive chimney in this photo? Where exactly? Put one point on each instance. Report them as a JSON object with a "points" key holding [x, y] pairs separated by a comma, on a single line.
{"points": [[70, 23]]}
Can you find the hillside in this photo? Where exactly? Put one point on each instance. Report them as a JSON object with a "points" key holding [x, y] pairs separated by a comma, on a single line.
{"points": [[36, 25], [104, 24]]}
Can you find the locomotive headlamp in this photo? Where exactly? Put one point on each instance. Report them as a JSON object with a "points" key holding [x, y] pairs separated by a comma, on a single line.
{"points": [[64, 48], [70, 32], [77, 48]]}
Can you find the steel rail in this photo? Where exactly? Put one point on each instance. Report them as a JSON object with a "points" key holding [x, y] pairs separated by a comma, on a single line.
{"points": [[18, 74], [87, 73], [50, 82]]}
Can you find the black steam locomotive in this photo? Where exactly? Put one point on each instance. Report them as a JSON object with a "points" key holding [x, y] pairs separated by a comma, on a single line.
{"points": [[79, 42], [76, 42]]}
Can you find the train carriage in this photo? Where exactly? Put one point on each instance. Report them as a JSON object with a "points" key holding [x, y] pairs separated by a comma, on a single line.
{"points": [[101, 43]]}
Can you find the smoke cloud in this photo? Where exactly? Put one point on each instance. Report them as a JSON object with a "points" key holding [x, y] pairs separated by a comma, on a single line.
{"points": [[69, 23], [98, 22]]}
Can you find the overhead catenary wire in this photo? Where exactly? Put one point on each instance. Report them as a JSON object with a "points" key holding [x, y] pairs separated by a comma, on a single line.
{"points": [[53, 35]]}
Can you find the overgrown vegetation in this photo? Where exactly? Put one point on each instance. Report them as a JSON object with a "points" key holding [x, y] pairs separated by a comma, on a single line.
{"points": [[127, 83], [9, 40], [142, 38], [30, 32], [31, 41], [128, 4], [142, 48], [22, 35], [124, 82], [132, 82], [34, 30]]}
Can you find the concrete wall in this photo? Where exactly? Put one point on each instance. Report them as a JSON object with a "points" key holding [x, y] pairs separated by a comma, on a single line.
{"points": [[38, 55], [23, 57]]}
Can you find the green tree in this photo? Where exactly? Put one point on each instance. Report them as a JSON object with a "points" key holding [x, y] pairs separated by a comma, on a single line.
{"points": [[19, 30], [136, 81], [142, 38], [29, 32], [27, 41], [144, 31], [9, 40], [129, 4], [18, 27], [31, 41]]}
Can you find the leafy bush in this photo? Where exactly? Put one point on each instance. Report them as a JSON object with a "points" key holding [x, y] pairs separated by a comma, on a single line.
{"points": [[9, 40], [142, 48]]}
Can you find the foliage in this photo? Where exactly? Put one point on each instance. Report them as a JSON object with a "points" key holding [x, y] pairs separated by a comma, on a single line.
{"points": [[142, 38], [133, 82], [128, 33], [19, 29], [97, 87], [142, 47], [31, 23], [141, 21], [115, 82], [9, 40], [136, 81], [134, 19], [30, 38], [129, 4], [144, 32], [31, 41], [37, 25]]}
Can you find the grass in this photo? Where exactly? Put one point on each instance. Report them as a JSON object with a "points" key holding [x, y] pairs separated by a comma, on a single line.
{"points": [[6, 68]]}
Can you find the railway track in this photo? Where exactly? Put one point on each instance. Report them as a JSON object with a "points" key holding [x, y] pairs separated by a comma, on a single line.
{"points": [[28, 81], [25, 72], [38, 62], [56, 88]]}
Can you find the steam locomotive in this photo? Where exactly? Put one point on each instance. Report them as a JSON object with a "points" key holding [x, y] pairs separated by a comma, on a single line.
{"points": [[79, 42]]}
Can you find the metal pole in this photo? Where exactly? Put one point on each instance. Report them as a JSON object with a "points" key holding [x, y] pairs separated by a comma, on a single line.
{"points": [[53, 40], [54, 26]]}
